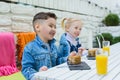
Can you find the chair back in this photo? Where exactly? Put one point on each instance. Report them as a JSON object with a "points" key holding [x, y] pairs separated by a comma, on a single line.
{"points": [[23, 38], [7, 54]]}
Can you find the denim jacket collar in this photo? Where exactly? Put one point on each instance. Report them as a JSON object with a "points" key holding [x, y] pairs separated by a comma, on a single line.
{"points": [[41, 43]]}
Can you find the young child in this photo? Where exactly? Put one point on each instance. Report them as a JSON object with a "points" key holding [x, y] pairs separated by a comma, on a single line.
{"points": [[41, 53], [69, 42]]}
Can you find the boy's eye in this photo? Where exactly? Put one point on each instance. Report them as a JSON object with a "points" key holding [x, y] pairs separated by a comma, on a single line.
{"points": [[52, 26], [76, 27], [80, 29]]}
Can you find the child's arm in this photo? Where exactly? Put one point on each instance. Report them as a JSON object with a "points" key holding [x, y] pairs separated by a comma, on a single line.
{"points": [[28, 64], [62, 54]]}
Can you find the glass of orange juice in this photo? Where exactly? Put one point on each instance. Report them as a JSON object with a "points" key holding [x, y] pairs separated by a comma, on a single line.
{"points": [[106, 47], [101, 62]]}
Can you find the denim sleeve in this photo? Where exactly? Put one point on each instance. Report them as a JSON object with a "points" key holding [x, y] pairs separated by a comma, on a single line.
{"points": [[62, 54], [28, 64]]}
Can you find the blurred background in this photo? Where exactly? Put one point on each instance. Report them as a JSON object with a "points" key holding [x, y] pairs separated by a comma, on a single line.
{"points": [[16, 16]]}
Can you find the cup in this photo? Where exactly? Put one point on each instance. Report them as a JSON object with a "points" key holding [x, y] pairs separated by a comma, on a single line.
{"points": [[101, 62], [106, 47], [92, 52]]}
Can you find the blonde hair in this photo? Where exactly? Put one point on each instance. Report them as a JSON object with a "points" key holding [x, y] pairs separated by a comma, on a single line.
{"points": [[66, 22]]}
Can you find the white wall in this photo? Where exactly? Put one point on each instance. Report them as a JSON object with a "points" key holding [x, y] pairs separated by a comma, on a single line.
{"points": [[114, 30], [18, 17]]}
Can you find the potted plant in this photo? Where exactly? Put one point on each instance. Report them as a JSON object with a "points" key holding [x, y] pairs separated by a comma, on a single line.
{"points": [[111, 20]]}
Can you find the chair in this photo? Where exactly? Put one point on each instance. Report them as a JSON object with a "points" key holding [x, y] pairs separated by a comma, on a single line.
{"points": [[22, 39], [14, 76], [8, 68]]}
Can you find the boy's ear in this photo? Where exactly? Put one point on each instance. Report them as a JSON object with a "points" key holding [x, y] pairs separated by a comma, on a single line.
{"points": [[37, 27]]}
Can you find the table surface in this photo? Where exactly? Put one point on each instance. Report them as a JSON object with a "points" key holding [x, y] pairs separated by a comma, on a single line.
{"points": [[62, 72]]}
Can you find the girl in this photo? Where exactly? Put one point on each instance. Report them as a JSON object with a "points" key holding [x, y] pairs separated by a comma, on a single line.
{"points": [[69, 42]]}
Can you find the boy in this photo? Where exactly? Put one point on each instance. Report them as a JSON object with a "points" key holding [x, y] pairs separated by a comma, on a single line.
{"points": [[41, 53]]}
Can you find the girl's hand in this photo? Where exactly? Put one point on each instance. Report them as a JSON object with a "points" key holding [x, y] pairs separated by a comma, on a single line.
{"points": [[43, 68], [73, 53], [80, 50]]}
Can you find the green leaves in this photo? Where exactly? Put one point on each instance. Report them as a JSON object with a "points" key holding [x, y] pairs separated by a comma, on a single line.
{"points": [[111, 20]]}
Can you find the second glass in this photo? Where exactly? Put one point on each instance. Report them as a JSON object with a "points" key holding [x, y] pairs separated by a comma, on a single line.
{"points": [[106, 47]]}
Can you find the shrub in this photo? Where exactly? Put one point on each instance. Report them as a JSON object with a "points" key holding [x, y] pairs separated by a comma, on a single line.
{"points": [[116, 40], [111, 20]]}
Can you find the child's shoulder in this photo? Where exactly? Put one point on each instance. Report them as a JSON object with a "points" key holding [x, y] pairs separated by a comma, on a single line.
{"points": [[63, 37], [31, 44]]}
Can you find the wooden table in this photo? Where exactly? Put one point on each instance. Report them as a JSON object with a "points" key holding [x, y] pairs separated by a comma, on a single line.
{"points": [[62, 72]]}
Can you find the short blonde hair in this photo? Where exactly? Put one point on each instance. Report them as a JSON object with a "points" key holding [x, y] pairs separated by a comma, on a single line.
{"points": [[66, 22]]}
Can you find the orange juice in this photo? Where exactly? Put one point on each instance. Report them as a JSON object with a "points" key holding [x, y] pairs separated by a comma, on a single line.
{"points": [[101, 64], [106, 48]]}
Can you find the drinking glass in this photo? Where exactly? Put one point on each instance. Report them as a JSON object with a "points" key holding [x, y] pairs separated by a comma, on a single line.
{"points": [[101, 62], [106, 47]]}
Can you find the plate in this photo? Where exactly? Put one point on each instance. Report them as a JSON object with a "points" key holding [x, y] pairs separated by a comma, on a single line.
{"points": [[81, 66], [90, 58]]}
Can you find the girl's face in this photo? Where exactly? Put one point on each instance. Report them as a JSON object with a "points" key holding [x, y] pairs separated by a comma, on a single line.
{"points": [[75, 29], [47, 29]]}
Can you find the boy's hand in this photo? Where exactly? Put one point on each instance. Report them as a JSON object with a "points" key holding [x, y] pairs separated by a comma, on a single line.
{"points": [[44, 68]]}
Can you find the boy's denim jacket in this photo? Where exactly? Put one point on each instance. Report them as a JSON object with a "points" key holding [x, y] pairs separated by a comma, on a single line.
{"points": [[36, 54], [65, 49]]}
